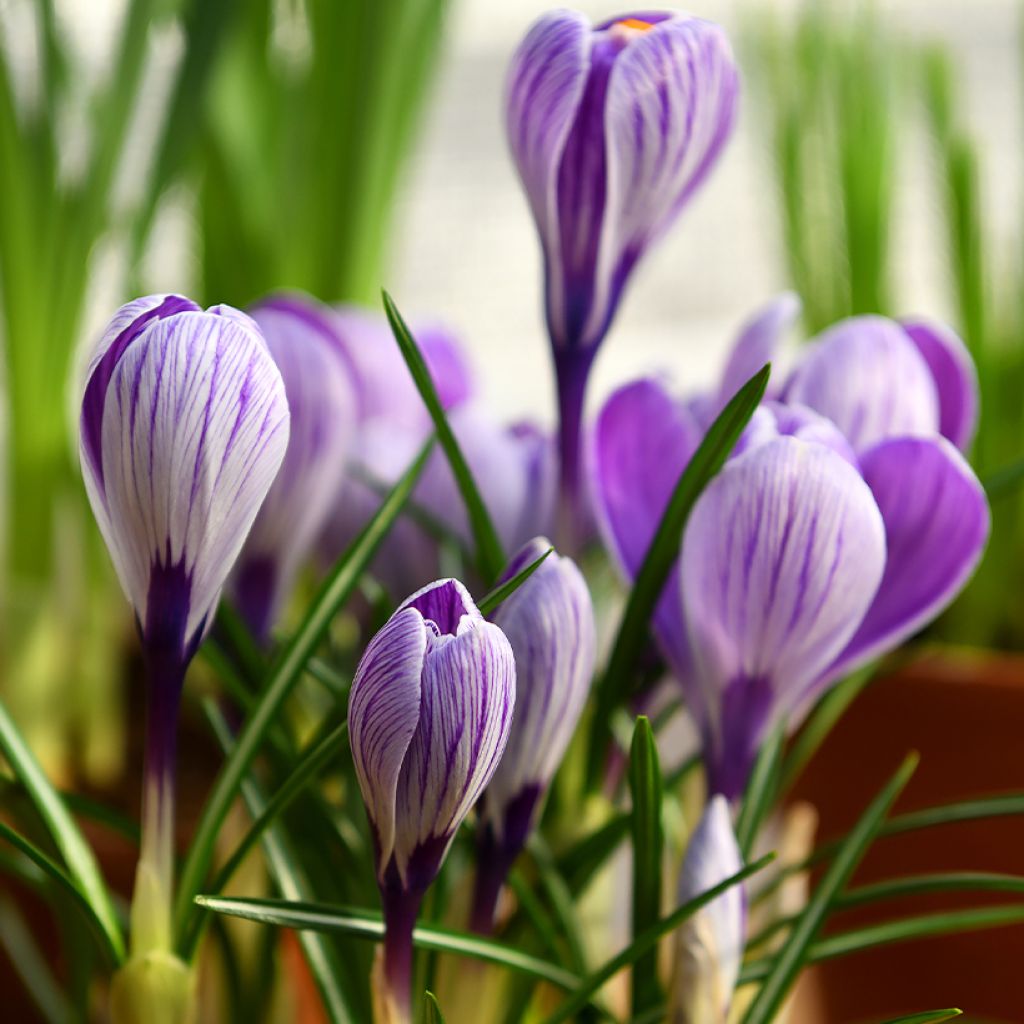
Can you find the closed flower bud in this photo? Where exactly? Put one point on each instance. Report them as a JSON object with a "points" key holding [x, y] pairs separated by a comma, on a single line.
{"points": [[549, 621], [429, 716]]}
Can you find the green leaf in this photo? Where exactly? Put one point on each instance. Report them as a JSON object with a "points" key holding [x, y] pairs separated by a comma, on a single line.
{"points": [[507, 589], [928, 1017], [286, 671], [66, 885], [434, 1014], [560, 898], [787, 963], [489, 552], [580, 863], [709, 458], [310, 763], [648, 844], [590, 985], [761, 790], [291, 883], [953, 922], [30, 962], [78, 857], [365, 924]]}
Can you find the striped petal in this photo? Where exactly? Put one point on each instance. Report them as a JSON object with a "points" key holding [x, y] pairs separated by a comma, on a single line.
{"points": [[322, 401], [194, 429], [383, 715], [866, 376], [936, 524], [549, 621], [468, 693], [781, 559], [709, 945], [956, 379]]}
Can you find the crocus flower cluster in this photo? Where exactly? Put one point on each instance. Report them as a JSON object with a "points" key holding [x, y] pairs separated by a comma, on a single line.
{"points": [[612, 128], [846, 521], [184, 426]]}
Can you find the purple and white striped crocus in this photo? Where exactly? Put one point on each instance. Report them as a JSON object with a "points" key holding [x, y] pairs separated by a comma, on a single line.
{"points": [[183, 428], [303, 339], [709, 945], [612, 128], [549, 622], [934, 512], [429, 715]]}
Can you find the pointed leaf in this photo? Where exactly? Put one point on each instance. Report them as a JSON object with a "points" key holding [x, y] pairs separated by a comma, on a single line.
{"points": [[500, 593], [434, 1014], [761, 790]]}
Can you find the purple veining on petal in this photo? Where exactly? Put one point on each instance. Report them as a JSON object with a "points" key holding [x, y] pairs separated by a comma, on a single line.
{"points": [[746, 713], [167, 610], [96, 388], [445, 603]]}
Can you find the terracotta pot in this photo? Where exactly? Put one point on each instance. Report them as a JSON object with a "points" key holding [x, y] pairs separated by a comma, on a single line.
{"points": [[964, 714]]}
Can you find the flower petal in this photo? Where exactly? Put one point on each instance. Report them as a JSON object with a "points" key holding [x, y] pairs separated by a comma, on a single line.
{"points": [[956, 379], [866, 376], [446, 604], [195, 426], [383, 714], [322, 401], [643, 441], [781, 558], [549, 621], [545, 85], [468, 693], [936, 524], [709, 945], [757, 343]]}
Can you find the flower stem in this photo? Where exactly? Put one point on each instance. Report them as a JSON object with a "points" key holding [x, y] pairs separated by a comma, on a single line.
{"points": [[572, 368], [401, 907]]}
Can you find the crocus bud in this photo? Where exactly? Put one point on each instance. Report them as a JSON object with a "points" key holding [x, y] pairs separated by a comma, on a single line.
{"points": [[302, 338], [549, 621], [709, 945], [612, 129], [184, 425], [429, 715]]}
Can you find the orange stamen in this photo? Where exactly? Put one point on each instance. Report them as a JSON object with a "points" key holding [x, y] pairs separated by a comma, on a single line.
{"points": [[636, 24]]}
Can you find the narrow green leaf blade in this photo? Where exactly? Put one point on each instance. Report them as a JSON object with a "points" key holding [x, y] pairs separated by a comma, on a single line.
{"points": [[78, 857], [434, 1014], [509, 587], [648, 940], [490, 555], [648, 843], [761, 790], [709, 458], [928, 1017], [287, 670], [366, 924], [66, 884], [786, 965]]}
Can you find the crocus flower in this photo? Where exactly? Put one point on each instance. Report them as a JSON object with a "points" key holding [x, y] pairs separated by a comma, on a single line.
{"points": [[184, 426], [549, 622], [429, 715], [612, 129], [306, 346], [709, 945], [935, 520]]}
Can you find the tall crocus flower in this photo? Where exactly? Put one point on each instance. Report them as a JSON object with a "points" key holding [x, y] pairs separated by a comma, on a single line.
{"points": [[709, 946], [306, 346], [429, 716], [933, 508], [549, 622], [612, 128], [184, 425]]}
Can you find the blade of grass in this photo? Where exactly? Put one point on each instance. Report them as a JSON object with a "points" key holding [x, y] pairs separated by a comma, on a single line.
{"points": [[579, 863], [709, 458], [291, 883], [928, 1017], [507, 589], [648, 846], [366, 924], [787, 964], [286, 671], [78, 857], [434, 1014], [953, 922], [490, 556], [761, 790], [31, 966], [592, 984], [66, 885]]}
